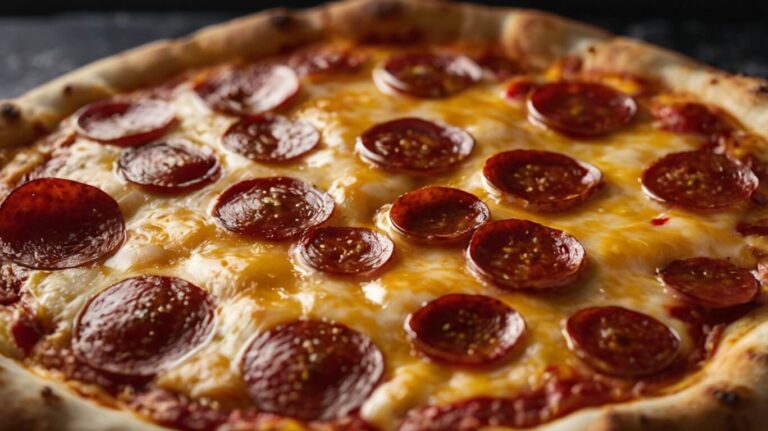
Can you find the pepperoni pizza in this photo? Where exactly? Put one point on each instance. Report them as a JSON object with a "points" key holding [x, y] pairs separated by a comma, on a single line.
{"points": [[392, 215]]}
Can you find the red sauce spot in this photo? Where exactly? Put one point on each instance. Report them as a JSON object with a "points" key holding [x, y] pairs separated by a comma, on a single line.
{"points": [[659, 221], [26, 332]]}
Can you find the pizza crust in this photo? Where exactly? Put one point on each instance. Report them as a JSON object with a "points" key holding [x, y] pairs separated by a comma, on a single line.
{"points": [[728, 394]]}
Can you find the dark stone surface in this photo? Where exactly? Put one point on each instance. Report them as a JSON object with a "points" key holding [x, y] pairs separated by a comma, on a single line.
{"points": [[36, 49]]}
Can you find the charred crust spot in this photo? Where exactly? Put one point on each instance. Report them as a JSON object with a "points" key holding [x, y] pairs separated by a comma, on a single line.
{"points": [[592, 50], [727, 398], [49, 396], [282, 21], [10, 112], [68, 90], [386, 9], [761, 89], [39, 128], [714, 81]]}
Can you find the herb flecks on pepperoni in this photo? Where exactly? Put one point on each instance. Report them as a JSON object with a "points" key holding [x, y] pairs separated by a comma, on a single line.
{"points": [[621, 342], [711, 283], [271, 138], [272, 208], [541, 180], [142, 325], [327, 62], [125, 123], [523, 255], [169, 167], [311, 370], [351, 251], [53, 223], [415, 146], [690, 118], [466, 330], [438, 215], [251, 90], [427, 76], [580, 109], [699, 180]]}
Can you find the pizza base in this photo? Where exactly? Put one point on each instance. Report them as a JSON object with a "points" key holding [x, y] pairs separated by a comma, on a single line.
{"points": [[729, 393]]}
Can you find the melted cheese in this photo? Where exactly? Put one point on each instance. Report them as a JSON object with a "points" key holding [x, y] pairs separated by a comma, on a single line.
{"points": [[257, 285]]}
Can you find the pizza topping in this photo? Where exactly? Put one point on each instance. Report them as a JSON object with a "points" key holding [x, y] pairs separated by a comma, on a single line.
{"points": [[311, 370], [250, 91], [169, 167], [438, 215], [345, 250], [469, 330], [621, 342], [12, 279], [317, 62], [753, 227], [427, 76], [523, 255], [713, 283], [497, 64], [125, 123], [54, 223], [580, 109], [542, 180], [519, 89], [271, 138], [26, 330], [699, 180], [142, 325], [273, 208], [415, 146], [690, 117]]}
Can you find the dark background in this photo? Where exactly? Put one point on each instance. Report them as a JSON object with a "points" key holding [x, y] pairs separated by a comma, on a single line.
{"points": [[38, 43]]}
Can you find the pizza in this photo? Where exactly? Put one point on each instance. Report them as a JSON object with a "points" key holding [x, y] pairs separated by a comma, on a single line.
{"points": [[390, 215]]}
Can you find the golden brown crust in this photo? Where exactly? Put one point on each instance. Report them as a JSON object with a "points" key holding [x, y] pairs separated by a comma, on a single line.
{"points": [[729, 394]]}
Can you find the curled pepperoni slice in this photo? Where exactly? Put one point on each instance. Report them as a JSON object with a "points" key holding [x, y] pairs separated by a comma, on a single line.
{"points": [[468, 330], [142, 325], [520, 254], [415, 146], [438, 215], [541, 180], [326, 62], [699, 180], [519, 89], [52, 223], [713, 283], [250, 91], [621, 342], [427, 76], [690, 117], [345, 250], [12, 279], [311, 370], [169, 167], [125, 123], [580, 109], [273, 208], [271, 138]]}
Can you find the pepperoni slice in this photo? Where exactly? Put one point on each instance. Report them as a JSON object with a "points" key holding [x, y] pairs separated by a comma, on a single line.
{"points": [[541, 180], [250, 91], [273, 208], [438, 215], [753, 227], [469, 330], [580, 109], [52, 223], [690, 117], [713, 283], [497, 64], [621, 342], [326, 62], [519, 89], [142, 325], [416, 146], [699, 180], [523, 255], [271, 138], [345, 250], [125, 123], [169, 167], [427, 76], [12, 279], [311, 370]]}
